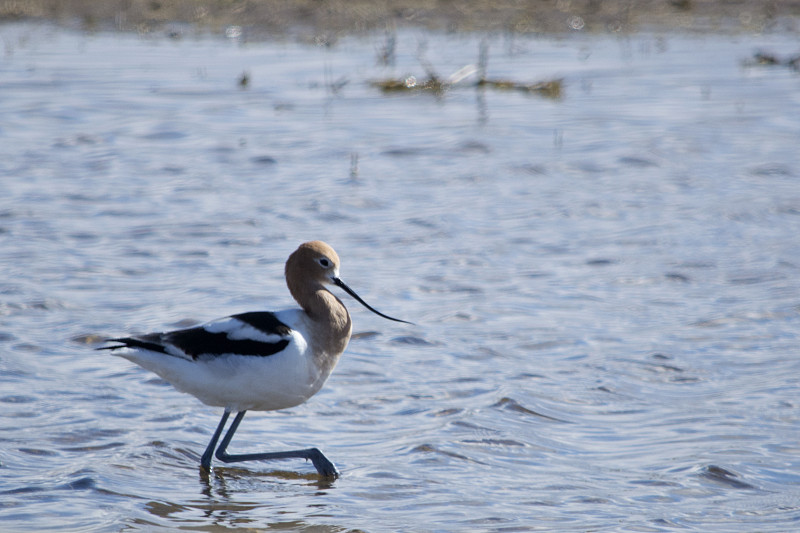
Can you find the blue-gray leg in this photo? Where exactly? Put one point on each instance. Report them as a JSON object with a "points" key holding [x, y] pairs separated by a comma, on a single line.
{"points": [[323, 465], [205, 461]]}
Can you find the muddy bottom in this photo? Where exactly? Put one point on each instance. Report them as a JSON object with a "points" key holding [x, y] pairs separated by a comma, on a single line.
{"points": [[328, 20]]}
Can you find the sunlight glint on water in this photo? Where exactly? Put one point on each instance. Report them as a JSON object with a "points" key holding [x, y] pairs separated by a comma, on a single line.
{"points": [[605, 285]]}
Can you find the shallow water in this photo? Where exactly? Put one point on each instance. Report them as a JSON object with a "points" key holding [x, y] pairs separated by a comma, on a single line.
{"points": [[606, 286]]}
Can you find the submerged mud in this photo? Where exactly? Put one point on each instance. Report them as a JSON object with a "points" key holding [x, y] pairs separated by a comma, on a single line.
{"points": [[328, 19]]}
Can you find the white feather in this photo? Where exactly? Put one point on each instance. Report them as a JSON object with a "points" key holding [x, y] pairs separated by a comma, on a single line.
{"points": [[238, 382], [236, 330]]}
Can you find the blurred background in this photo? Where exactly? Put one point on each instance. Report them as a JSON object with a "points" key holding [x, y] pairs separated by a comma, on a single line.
{"points": [[590, 210]]}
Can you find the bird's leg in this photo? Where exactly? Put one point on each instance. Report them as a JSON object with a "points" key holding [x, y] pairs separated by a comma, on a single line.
{"points": [[321, 463], [205, 461]]}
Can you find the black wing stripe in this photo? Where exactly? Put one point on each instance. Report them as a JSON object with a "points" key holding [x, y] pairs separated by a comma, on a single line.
{"points": [[265, 322], [130, 342], [198, 341], [195, 342]]}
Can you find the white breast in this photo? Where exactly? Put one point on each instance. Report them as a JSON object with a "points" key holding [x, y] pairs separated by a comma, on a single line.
{"points": [[245, 382]]}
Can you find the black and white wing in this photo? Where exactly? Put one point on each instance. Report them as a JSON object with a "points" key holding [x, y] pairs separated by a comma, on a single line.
{"points": [[258, 333]]}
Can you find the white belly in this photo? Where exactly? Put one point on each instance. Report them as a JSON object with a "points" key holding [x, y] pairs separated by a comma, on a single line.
{"points": [[241, 382]]}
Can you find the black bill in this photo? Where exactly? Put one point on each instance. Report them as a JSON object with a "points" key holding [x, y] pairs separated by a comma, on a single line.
{"points": [[352, 293]]}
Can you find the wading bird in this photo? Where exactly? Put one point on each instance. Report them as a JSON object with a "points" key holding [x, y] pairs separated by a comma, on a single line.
{"points": [[262, 360]]}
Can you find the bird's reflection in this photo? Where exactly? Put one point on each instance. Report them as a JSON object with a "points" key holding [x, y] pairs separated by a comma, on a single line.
{"points": [[223, 482]]}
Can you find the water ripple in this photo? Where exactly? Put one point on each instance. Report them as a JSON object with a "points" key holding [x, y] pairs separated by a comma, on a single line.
{"points": [[604, 287]]}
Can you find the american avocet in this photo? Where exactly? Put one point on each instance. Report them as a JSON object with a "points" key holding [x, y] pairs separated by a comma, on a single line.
{"points": [[260, 360]]}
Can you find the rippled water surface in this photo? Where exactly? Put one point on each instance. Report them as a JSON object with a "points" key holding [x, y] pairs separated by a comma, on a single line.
{"points": [[606, 286]]}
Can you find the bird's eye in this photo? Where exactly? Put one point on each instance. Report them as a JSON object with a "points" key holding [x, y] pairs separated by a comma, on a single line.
{"points": [[324, 262]]}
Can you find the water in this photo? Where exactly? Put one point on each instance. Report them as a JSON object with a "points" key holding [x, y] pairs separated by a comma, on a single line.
{"points": [[605, 286]]}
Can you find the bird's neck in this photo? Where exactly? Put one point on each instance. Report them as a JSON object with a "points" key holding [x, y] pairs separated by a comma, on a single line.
{"points": [[333, 328], [332, 321], [323, 306]]}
